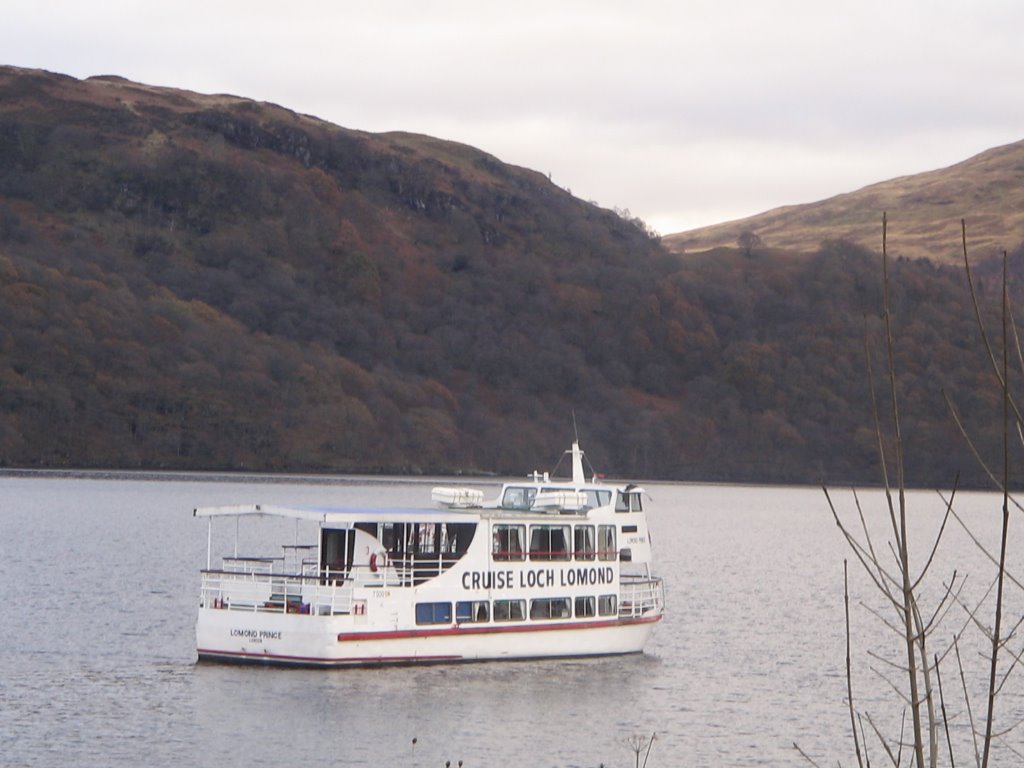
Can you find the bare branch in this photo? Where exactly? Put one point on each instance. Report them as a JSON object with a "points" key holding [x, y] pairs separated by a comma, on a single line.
{"points": [[974, 449], [993, 668], [896, 630], [972, 612], [1010, 729], [938, 536], [1016, 338], [866, 557], [945, 719], [1015, 751], [1010, 635], [940, 609], [1018, 658], [1000, 372], [967, 701], [903, 729], [929, 699], [849, 676], [895, 665], [804, 755], [981, 546], [974, 300], [891, 684], [863, 738], [874, 396], [885, 744], [874, 557]]}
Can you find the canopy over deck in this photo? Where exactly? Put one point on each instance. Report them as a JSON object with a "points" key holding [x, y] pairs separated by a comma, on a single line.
{"points": [[335, 515]]}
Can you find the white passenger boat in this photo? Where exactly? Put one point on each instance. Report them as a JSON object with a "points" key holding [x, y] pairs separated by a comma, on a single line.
{"points": [[551, 568]]}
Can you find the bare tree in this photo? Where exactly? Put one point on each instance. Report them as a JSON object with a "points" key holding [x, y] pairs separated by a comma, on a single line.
{"points": [[901, 584]]}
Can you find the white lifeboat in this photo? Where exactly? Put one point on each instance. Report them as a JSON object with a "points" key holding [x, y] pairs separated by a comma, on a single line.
{"points": [[456, 498], [557, 500]]}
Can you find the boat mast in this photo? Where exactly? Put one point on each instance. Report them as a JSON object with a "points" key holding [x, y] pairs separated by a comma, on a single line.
{"points": [[577, 463]]}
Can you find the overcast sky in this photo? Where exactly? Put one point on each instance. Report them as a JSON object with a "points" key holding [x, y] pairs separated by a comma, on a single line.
{"points": [[686, 113]]}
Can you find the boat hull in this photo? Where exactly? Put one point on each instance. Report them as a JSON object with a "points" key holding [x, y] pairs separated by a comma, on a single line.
{"points": [[315, 641]]}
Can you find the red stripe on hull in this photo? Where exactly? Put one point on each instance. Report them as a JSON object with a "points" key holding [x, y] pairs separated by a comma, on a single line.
{"points": [[491, 630]]}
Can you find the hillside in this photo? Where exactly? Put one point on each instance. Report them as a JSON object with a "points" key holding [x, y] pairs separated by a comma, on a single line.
{"points": [[205, 282], [987, 191]]}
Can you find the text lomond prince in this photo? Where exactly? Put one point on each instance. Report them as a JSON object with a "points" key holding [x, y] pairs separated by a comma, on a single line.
{"points": [[256, 635]]}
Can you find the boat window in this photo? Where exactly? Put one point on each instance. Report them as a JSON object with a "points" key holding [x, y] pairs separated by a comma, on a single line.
{"points": [[433, 613], [586, 607], [370, 528], [472, 611], [549, 542], [509, 542], [628, 501], [607, 605], [423, 538], [518, 497], [598, 498], [387, 536], [337, 547], [509, 610], [456, 537], [606, 542], [583, 544], [394, 537], [550, 608]]}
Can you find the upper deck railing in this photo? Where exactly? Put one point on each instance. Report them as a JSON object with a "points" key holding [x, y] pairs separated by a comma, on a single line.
{"points": [[259, 584], [263, 584]]}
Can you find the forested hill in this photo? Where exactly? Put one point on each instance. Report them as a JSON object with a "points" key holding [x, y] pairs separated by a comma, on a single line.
{"points": [[192, 281]]}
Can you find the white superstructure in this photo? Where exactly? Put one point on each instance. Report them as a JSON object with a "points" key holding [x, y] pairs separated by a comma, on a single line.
{"points": [[551, 568]]}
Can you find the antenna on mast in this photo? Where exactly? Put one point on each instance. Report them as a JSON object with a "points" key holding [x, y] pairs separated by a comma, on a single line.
{"points": [[577, 454]]}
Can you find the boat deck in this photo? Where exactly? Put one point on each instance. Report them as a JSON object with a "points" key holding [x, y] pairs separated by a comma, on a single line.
{"points": [[261, 584]]}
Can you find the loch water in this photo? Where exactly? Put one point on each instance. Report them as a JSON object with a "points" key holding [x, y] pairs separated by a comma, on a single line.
{"points": [[99, 580]]}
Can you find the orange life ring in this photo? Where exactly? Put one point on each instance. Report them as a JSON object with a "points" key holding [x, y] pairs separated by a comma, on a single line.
{"points": [[378, 561]]}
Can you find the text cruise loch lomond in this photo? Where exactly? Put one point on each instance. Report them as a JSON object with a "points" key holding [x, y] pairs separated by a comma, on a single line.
{"points": [[552, 568]]}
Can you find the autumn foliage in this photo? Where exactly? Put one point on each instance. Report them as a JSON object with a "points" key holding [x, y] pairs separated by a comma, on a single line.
{"points": [[194, 281]]}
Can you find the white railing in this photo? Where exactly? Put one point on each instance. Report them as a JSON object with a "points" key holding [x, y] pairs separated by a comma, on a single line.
{"points": [[274, 593], [255, 584], [640, 596], [264, 584]]}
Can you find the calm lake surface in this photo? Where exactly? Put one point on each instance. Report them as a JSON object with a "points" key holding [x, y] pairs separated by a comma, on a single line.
{"points": [[98, 592]]}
